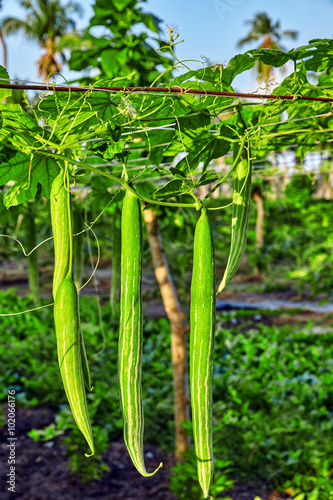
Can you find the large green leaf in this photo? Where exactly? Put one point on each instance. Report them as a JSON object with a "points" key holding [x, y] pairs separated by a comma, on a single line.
{"points": [[216, 74], [150, 21], [104, 8], [17, 120], [237, 65], [26, 177], [20, 129], [317, 55], [271, 57], [170, 189], [201, 151], [198, 144]]}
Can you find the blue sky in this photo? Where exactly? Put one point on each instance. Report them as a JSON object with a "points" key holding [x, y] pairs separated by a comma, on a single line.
{"points": [[210, 28]]}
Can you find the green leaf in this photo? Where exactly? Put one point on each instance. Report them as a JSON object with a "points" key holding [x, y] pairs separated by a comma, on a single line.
{"points": [[83, 120], [170, 189], [188, 77], [201, 145], [104, 8], [150, 22], [100, 194], [298, 273], [215, 75], [207, 178], [114, 149], [98, 103], [178, 174], [26, 177], [271, 57], [317, 55], [201, 148], [237, 65], [113, 58], [4, 78], [19, 126], [103, 103]]}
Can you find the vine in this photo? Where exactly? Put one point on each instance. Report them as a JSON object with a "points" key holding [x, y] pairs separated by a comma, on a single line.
{"points": [[172, 135]]}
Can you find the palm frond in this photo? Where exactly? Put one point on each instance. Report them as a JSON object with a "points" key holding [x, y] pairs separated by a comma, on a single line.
{"points": [[249, 38], [290, 34], [26, 4], [12, 25], [47, 21]]}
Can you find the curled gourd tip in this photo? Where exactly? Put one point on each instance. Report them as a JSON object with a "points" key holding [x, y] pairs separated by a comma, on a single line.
{"points": [[159, 467]]}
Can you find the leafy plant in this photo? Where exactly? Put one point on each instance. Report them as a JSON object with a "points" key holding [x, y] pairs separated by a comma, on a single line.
{"points": [[121, 50], [300, 189], [160, 149]]}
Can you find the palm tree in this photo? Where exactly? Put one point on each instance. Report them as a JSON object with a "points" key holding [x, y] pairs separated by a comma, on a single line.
{"points": [[48, 22], [4, 46], [263, 29]]}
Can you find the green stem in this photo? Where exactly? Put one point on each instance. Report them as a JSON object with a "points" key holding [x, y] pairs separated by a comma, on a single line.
{"points": [[235, 162], [117, 181], [240, 192], [198, 203], [296, 132]]}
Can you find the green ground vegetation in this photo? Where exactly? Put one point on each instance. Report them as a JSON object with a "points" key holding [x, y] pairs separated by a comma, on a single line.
{"points": [[273, 398]]}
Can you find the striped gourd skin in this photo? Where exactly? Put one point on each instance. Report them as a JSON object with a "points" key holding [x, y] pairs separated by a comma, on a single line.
{"points": [[67, 325], [62, 228], [240, 217], [202, 316], [130, 334], [77, 248]]}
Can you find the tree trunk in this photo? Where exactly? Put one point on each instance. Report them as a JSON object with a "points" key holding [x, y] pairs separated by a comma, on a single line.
{"points": [[178, 328], [260, 219], [329, 187], [4, 46]]}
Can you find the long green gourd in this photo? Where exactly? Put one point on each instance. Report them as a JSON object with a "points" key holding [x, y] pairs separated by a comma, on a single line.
{"points": [[67, 325], [202, 316], [77, 247], [130, 334], [240, 215], [61, 218]]}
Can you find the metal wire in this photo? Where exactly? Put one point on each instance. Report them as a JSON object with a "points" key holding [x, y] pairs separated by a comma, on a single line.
{"points": [[165, 90]]}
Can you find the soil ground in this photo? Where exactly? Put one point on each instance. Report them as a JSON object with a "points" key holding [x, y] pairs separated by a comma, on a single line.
{"points": [[42, 470]]}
